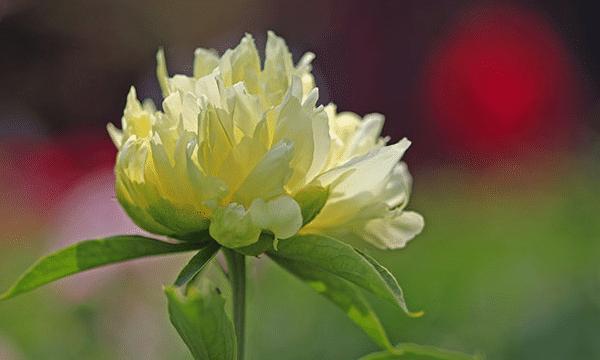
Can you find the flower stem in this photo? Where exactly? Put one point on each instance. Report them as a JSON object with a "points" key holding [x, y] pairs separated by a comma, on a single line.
{"points": [[236, 265]]}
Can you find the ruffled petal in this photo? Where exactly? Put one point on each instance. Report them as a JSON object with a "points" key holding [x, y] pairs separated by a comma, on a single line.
{"points": [[269, 176], [281, 216], [394, 230], [205, 61]]}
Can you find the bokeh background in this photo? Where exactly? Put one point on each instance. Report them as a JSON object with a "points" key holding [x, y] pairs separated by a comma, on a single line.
{"points": [[500, 99]]}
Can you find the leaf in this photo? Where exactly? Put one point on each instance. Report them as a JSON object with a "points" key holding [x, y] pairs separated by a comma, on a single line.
{"points": [[200, 319], [330, 255], [90, 254], [389, 278], [197, 263], [342, 293], [401, 350]]}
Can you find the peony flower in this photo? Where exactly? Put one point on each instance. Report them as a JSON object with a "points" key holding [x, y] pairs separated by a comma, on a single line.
{"points": [[239, 156], [239, 149]]}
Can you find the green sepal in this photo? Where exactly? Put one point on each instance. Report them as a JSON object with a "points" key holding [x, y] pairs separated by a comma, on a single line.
{"points": [[162, 217], [264, 244], [311, 200]]}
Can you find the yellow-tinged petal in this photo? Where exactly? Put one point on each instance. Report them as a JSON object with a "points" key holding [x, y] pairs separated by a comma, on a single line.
{"points": [[303, 125], [245, 110], [162, 73], [115, 135], [207, 90], [268, 177], [181, 83], [136, 121], [215, 141], [131, 160], [182, 106], [240, 162], [205, 61], [242, 64], [322, 145], [212, 189], [278, 68], [303, 69]]}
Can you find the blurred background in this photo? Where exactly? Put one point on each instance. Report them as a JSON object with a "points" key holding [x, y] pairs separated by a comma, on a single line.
{"points": [[500, 99]]}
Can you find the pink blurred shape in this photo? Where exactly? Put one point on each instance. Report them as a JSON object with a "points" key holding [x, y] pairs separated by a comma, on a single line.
{"points": [[89, 210]]}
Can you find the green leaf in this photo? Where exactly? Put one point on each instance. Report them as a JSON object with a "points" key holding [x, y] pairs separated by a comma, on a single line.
{"points": [[401, 350], [333, 256], [197, 263], [311, 200], [200, 319], [392, 283], [342, 293], [91, 254]]}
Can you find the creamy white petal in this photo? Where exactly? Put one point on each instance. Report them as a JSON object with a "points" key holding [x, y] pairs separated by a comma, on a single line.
{"points": [[397, 189], [393, 231], [205, 61], [367, 171], [282, 216], [242, 64], [366, 136]]}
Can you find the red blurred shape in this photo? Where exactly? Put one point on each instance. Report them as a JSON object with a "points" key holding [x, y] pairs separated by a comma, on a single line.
{"points": [[501, 82], [45, 170]]}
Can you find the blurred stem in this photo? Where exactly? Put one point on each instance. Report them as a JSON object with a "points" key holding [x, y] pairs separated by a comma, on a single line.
{"points": [[236, 266]]}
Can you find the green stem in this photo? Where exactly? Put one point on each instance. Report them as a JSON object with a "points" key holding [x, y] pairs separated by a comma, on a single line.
{"points": [[236, 266]]}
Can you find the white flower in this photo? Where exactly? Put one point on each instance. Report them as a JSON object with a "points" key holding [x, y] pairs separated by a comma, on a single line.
{"points": [[241, 149]]}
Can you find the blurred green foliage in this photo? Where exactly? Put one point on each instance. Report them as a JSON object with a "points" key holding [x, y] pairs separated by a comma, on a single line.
{"points": [[510, 271]]}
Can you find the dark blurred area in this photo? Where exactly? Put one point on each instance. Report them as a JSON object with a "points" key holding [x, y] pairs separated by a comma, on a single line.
{"points": [[500, 99]]}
